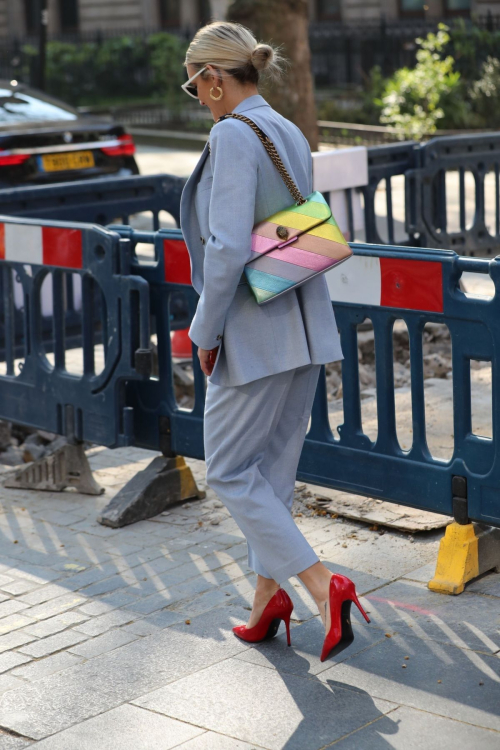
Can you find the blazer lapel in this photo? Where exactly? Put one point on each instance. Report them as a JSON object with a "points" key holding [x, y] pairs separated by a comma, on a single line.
{"points": [[189, 220]]}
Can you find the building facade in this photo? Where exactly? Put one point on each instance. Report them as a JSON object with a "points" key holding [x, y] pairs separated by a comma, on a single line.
{"points": [[394, 10], [19, 18]]}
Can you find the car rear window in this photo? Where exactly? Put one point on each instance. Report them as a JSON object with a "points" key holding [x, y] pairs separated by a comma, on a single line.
{"points": [[18, 106]]}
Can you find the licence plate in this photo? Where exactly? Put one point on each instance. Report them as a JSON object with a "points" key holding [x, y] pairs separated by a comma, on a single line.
{"points": [[71, 160]]}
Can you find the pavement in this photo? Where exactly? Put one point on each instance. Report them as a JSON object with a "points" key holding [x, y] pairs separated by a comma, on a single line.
{"points": [[113, 639], [121, 638]]}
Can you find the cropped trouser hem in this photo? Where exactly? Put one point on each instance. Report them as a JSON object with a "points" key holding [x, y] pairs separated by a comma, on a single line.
{"points": [[253, 437], [291, 568]]}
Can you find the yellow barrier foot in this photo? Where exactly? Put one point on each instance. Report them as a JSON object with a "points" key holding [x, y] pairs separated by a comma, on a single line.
{"points": [[466, 551], [165, 482]]}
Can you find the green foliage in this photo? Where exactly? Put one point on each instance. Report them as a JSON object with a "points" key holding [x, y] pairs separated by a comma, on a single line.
{"points": [[117, 69], [417, 100], [365, 111], [167, 53], [484, 94], [470, 46]]}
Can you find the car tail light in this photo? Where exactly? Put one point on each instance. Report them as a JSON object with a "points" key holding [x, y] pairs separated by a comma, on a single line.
{"points": [[9, 160], [126, 147]]}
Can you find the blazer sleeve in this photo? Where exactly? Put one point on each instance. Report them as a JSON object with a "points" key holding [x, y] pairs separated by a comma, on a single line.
{"points": [[231, 219]]}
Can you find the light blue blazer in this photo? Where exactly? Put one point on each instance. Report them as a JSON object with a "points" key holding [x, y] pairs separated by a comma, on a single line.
{"points": [[244, 187]]}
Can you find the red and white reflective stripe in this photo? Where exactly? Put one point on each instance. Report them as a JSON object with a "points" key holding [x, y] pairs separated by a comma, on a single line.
{"points": [[177, 262], [388, 282], [48, 246]]}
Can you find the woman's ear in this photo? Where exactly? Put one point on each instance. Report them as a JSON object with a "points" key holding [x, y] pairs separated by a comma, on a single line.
{"points": [[216, 76]]}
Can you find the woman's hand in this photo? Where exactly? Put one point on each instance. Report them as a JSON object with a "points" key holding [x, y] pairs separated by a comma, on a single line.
{"points": [[207, 359]]}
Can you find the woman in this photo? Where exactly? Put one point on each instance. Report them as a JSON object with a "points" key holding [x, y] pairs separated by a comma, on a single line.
{"points": [[262, 362]]}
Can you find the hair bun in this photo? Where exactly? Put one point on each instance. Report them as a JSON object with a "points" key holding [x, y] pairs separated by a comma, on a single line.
{"points": [[262, 56]]}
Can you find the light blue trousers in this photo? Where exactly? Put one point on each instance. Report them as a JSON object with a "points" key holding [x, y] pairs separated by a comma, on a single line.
{"points": [[253, 436]]}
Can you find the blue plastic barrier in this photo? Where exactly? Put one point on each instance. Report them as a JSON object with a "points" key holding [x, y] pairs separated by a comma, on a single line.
{"points": [[40, 391], [385, 162], [122, 405], [383, 284], [99, 201], [428, 197]]}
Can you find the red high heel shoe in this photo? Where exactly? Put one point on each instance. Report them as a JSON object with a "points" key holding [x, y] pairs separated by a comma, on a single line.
{"points": [[279, 607], [340, 635]]}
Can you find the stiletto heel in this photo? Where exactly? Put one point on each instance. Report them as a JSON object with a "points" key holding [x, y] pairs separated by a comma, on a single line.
{"points": [[279, 607], [341, 594], [287, 625], [358, 605]]}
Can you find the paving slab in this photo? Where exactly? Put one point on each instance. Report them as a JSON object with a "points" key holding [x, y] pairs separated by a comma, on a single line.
{"points": [[55, 624], [103, 643], [46, 666], [469, 621], [134, 729], [11, 659], [130, 591], [57, 642], [14, 639], [8, 742], [438, 678], [423, 574], [215, 741], [302, 657], [305, 714], [401, 603], [488, 584], [408, 729], [57, 702], [387, 556]]}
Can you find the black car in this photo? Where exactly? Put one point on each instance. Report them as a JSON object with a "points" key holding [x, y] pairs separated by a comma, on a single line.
{"points": [[43, 140]]}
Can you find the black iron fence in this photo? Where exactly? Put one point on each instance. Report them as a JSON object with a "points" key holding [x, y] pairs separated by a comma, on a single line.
{"points": [[342, 53]]}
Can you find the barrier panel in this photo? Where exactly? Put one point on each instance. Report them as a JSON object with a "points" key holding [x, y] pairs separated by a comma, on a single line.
{"points": [[438, 183], [417, 286], [383, 284], [385, 162], [83, 400], [100, 201], [436, 175], [162, 425]]}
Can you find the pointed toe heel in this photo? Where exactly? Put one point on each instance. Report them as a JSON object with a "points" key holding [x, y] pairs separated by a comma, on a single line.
{"points": [[278, 608], [341, 595]]}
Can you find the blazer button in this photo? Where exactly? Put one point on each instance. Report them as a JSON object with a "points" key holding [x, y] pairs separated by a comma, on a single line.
{"points": [[219, 337], [202, 239]]}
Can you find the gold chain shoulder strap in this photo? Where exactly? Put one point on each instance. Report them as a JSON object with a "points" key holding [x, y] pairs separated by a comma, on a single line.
{"points": [[275, 157]]}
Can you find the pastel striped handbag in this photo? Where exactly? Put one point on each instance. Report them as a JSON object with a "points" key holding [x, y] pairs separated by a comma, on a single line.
{"points": [[295, 244]]}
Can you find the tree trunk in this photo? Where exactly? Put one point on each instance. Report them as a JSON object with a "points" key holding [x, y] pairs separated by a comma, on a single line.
{"points": [[284, 22]]}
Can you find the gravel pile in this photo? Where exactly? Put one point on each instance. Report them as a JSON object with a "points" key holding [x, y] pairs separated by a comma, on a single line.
{"points": [[20, 445], [436, 350]]}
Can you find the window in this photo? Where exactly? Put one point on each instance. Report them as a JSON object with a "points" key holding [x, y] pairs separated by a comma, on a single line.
{"points": [[169, 14], [68, 15], [457, 7], [328, 10], [32, 15], [415, 8]]}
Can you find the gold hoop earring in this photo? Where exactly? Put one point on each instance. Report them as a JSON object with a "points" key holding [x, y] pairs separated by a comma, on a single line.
{"points": [[216, 98]]}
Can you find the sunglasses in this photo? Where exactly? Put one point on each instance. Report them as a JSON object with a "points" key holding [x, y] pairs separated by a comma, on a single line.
{"points": [[192, 90]]}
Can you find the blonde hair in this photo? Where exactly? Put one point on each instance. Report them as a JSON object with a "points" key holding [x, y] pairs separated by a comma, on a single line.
{"points": [[232, 48]]}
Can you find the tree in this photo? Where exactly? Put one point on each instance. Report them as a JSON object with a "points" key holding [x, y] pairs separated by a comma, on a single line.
{"points": [[416, 99], [284, 23]]}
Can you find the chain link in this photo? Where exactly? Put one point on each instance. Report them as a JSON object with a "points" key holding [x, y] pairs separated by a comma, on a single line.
{"points": [[275, 157]]}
